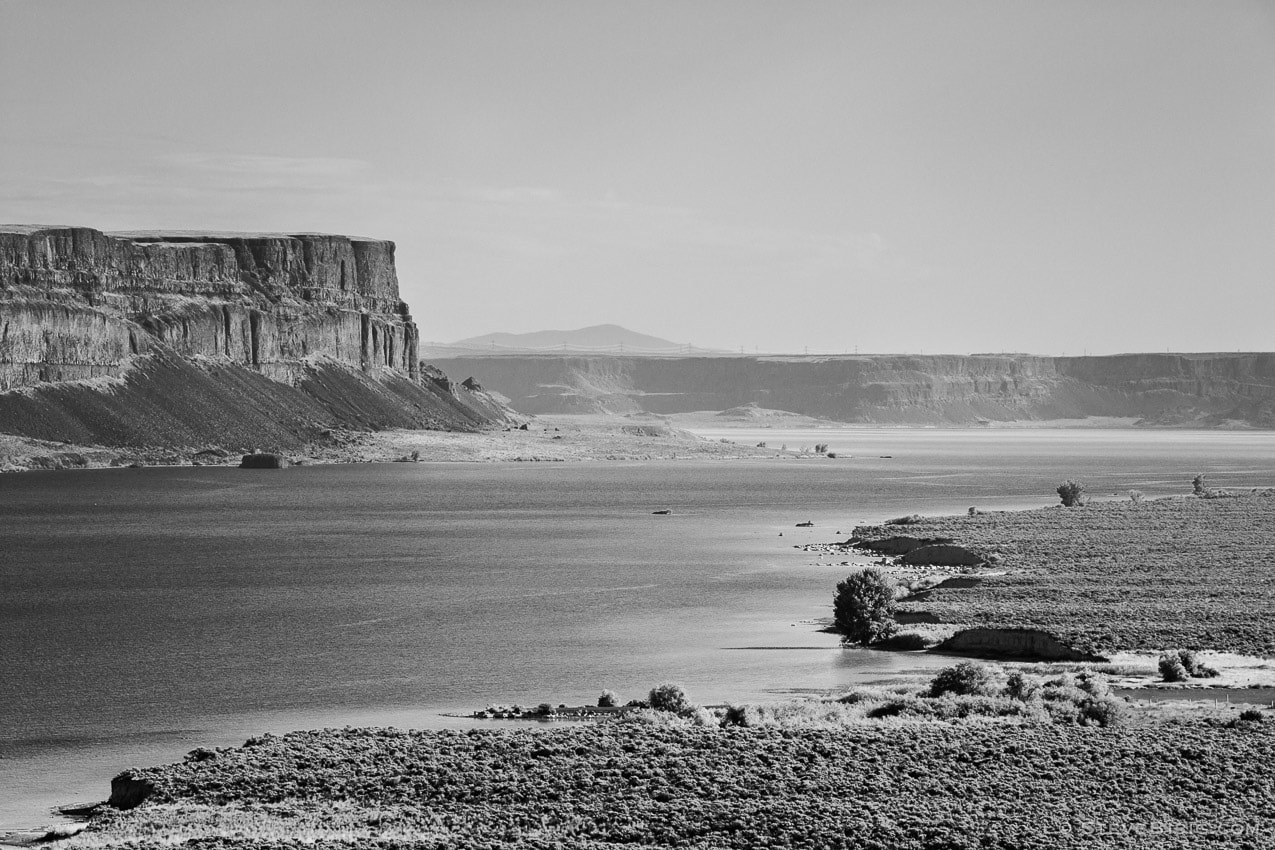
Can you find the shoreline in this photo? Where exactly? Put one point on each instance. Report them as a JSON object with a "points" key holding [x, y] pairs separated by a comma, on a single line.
{"points": [[549, 438]]}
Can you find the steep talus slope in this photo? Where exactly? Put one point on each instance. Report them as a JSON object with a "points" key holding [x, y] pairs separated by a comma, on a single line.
{"points": [[162, 338], [922, 389]]}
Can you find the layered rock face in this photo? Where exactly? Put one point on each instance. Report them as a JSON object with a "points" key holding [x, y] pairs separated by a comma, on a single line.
{"points": [[1159, 389], [77, 303], [184, 339]]}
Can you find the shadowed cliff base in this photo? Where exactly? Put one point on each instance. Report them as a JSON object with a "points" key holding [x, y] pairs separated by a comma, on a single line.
{"points": [[166, 400], [1183, 390]]}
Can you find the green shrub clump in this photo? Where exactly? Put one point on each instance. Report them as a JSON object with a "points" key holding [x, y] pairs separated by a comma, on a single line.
{"points": [[863, 609], [965, 679], [1021, 687], [1183, 664], [670, 697], [904, 642], [1072, 493], [608, 699]]}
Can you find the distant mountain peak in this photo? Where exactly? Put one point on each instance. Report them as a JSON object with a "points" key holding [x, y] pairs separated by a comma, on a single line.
{"points": [[605, 338]]}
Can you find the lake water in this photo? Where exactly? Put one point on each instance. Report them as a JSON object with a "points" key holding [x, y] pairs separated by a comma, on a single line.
{"points": [[147, 612]]}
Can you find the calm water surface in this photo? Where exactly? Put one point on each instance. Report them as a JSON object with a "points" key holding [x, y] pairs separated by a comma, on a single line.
{"points": [[147, 612]]}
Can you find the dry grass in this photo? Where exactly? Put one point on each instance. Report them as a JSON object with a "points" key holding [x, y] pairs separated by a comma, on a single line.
{"points": [[1119, 576], [898, 784]]}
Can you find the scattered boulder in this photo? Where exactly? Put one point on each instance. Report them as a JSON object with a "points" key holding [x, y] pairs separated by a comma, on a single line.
{"points": [[261, 460], [943, 555], [900, 545], [128, 792]]}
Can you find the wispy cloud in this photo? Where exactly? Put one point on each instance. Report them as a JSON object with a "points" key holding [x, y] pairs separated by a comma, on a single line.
{"points": [[257, 165]]}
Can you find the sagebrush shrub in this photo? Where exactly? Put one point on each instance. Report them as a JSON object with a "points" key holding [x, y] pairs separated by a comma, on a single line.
{"points": [[965, 679], [1072, 493], [905, 642], [1021, 687], [1172, 669], [1195, 668]]}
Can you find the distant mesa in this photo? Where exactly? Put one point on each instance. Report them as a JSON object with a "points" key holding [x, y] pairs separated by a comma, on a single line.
{"points": [[595, 339], [1151, 390]]}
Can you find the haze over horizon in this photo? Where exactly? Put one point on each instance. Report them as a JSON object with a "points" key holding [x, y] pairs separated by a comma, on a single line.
{"points": [[926, 177]]}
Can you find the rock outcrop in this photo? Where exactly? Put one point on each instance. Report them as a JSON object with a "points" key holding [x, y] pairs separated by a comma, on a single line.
{"points": [[1030, 644], [176, 338], [1157, 389], [77, 303]]}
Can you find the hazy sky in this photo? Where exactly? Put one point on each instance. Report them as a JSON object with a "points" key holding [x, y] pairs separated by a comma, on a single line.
{"points": [[894, 176]]}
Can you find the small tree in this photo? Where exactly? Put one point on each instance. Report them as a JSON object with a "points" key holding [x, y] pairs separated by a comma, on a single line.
{"points": [[1172, 669], [1072, 493], [608, 699], [863, 609], [1197, 485], [670, 697]]}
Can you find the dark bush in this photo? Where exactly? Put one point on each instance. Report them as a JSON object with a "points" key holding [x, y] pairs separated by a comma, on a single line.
{"points": [[1108, 710], [911, 519], [902, 706], [261, 460], [608, 699], [670, 697], [965, 679], [863, 609], [1197, 485], [1021, 687], [1252, 715], [1072, 493], [1172, 669], [1184, 664], [903, 642]]}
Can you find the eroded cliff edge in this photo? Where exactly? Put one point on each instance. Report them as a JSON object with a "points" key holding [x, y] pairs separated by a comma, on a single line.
{"points": [[1202, 390], [178, 338]]}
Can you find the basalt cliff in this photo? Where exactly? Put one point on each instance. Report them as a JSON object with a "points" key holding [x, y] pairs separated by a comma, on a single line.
{"points": [[1199, 390], [187, 339]]}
